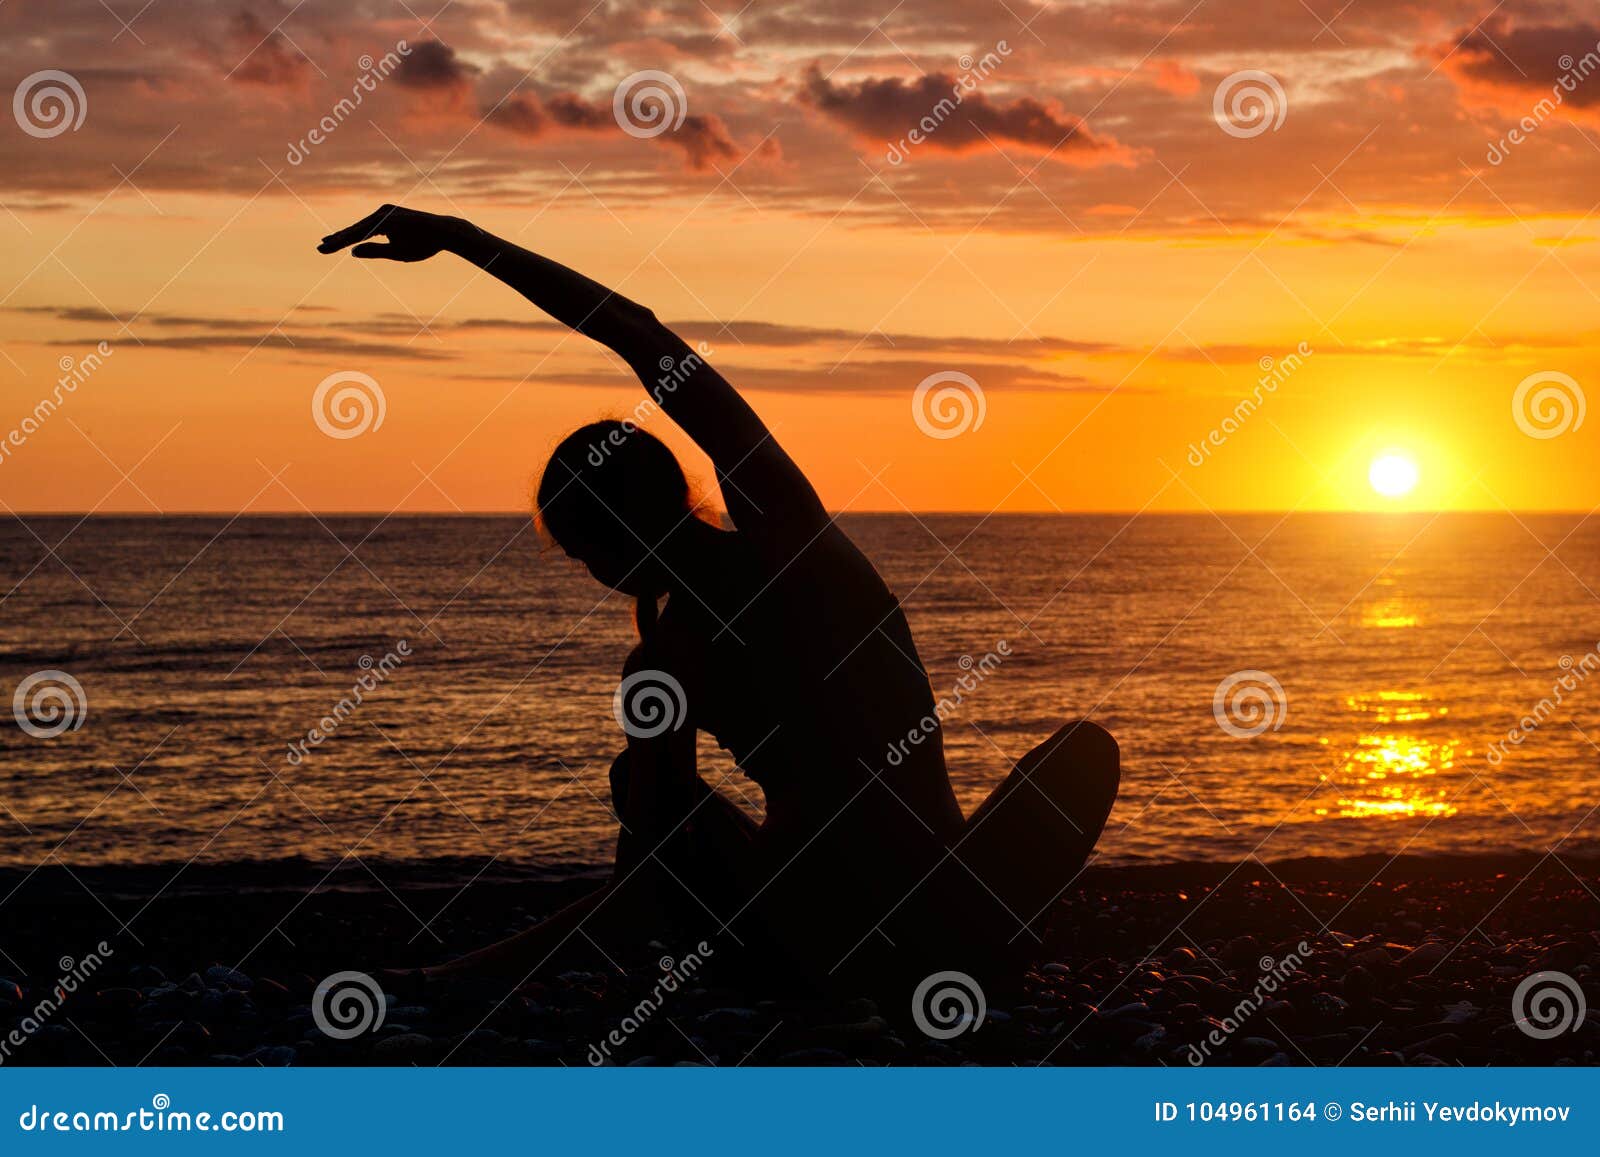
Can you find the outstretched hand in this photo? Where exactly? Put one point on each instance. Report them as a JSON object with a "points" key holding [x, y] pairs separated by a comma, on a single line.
{"points": [[413, 235]]}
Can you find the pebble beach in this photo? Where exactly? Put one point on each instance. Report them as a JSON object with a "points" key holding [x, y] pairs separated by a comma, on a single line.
{"points": [[1349, 962]]}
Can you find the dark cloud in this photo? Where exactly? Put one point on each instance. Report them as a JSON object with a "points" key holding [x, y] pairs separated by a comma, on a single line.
{"points": [[704, 140], [725, 336], [291, 343], [953, 119], [433, 66], [1504, 57], [857, 377], [265, 56], [98, 316]]}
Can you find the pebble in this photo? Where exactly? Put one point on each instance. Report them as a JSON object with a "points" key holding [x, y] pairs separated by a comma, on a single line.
{"points": [[231, 977], [1424, 958], [402, 1049], [272, 1056]]}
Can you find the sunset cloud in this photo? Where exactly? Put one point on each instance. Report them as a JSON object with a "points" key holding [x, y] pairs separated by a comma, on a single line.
{"points": [[1118, 100], [1077, 232], [952, 119], [704, 140], [1504, 61], [265, 55], [433, 66]]}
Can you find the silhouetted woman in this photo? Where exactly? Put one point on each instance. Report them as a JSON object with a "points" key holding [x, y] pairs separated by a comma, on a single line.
{"points": [[781, 641]]}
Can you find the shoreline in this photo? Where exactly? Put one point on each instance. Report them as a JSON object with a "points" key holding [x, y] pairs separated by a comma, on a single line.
{"points": [[376, 875]]}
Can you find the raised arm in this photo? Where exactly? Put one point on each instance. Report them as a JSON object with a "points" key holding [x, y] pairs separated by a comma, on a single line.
{"points": [[755, 472]]}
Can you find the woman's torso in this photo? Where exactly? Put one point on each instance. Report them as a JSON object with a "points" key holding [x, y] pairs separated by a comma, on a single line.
{"points": [[808, 675]]}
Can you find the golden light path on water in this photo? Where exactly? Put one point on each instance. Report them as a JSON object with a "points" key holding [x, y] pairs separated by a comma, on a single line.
{"points": [[1391, 772]]}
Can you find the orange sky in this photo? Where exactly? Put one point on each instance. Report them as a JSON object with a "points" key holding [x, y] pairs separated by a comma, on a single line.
{"points": [[1082, 237]]}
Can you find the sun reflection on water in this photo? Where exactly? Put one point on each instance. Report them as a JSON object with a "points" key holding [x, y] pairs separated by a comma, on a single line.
{"points": [[1388, 616], [1391, 773]]}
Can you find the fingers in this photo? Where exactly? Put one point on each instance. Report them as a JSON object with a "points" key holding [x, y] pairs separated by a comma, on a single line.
{"points": [[369, 225], [375, 249]]}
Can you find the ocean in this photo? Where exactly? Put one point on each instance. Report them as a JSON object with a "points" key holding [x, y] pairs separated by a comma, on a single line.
{"points": [[1413, 684]]}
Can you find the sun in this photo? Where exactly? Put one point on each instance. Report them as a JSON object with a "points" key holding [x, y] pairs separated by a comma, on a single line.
{"points": [[1393, 475]]}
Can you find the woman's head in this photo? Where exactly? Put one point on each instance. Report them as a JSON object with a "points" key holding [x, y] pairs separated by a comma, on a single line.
{"points": [[610, 495]]}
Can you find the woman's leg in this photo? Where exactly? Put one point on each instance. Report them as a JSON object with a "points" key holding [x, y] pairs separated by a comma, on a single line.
{"points": [[695, 874], [985, 909], [1029, 840]]}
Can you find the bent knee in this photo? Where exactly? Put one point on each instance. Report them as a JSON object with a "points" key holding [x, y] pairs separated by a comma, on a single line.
{"points": [[1093, 753]]}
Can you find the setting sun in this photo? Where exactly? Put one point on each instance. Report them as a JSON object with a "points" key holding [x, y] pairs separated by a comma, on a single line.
{"points": [[1393, 475]]}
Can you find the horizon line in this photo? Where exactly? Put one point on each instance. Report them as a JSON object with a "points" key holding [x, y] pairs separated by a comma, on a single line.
{"points": [[85, 515]]}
